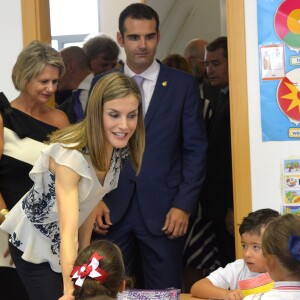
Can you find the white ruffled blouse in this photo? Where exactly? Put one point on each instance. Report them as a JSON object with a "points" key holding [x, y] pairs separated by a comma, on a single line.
{"points": [[33, 221]]}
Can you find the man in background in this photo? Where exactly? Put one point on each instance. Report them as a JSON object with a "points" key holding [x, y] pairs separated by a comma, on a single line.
{"points": [[217, 193], [194, 54], [210, 242], [103, 53], [78, 78]]}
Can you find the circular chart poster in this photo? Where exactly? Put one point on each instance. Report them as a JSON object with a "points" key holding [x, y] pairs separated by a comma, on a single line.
{"points": [[287, 23], [288, 96]]}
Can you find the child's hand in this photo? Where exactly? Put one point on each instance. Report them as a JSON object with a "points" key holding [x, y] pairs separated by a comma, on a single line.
{"points": [[234, 295]]}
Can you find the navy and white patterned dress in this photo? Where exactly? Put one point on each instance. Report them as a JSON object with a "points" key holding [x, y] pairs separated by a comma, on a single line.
{"points": [[33, 222]]}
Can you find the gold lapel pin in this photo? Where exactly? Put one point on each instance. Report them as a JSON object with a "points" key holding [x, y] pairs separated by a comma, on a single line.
{"points": [[165, 83]]}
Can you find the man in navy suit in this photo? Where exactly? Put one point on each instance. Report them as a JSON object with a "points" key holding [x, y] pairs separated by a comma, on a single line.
{"points": [[148, 215]]}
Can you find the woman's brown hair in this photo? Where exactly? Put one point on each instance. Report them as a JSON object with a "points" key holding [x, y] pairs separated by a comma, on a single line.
{"points": [[112, 263], [90, 133]]}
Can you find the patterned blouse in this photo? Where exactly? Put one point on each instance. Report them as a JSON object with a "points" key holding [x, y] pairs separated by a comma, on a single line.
{"points": [[33, 222]]}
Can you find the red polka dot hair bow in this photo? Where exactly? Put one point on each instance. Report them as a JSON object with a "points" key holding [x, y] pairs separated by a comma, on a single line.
{"points": [[92, 270]]}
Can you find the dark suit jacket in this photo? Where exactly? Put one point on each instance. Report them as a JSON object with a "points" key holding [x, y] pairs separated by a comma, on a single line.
{"points": [[68, 107], [217, 192], [174, 159]]}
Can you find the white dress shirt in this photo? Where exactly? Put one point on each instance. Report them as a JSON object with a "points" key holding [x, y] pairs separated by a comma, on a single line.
{"points": [[85, 85]]}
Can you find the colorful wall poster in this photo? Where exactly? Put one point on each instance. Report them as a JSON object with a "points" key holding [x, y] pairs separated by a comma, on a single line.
{"points": [[279, 53], [272, 62], [291, 210]]}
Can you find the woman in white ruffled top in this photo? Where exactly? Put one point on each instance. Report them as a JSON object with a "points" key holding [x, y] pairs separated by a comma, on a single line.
{"points": [[54, 220]]}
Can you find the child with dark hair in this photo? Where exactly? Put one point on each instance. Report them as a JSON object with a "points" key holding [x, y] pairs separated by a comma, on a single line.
{"points": [[223, 283], [98, 271], [281, 251]]}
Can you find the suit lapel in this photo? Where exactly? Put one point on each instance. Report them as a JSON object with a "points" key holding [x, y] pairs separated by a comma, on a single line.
{"points": [[161, 87]]}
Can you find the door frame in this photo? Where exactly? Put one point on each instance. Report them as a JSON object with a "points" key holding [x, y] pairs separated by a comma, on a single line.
{"points": [[36, 21], [235, 15]]}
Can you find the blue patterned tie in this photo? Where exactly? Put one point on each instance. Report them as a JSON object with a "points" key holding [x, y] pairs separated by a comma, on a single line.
{"points": [[78, 111], [139, 80]]}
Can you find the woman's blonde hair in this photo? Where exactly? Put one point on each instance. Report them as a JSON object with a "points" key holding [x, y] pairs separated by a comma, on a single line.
{"points": [[31, 62], [276, 238], [90, 133]]}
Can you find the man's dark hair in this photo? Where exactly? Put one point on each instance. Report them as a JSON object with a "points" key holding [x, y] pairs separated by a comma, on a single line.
{"points": [[138, 11], [218, 43], [257, 219]]}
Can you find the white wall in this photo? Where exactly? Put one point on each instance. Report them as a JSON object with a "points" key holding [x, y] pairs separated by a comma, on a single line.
{"points": [[265, 156], [11, 38], [109, 12], [182, 21]]}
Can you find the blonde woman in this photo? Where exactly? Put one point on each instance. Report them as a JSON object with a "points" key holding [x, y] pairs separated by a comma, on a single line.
{"points": [[82, 163]]}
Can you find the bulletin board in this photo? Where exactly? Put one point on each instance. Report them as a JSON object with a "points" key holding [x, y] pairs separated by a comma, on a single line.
{"points": [[279, 56], [291, 186]]}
